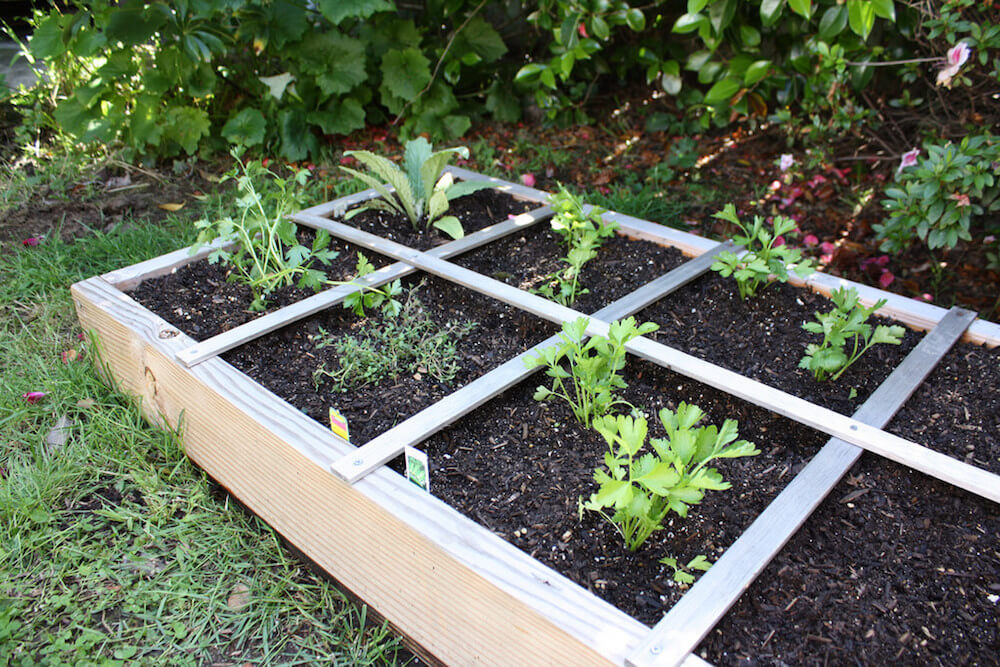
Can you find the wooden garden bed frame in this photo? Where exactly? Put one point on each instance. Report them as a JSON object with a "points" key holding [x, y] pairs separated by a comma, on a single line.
{"points": [[446, 583]]}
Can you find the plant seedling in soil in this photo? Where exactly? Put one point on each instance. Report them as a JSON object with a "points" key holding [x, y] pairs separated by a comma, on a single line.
{"points": [[593, 366], [765, 254], [408, 343], [584, 234], [641, 490], [381, 298], [845, 325], [418, 191], [269, 254], [682, 575]]}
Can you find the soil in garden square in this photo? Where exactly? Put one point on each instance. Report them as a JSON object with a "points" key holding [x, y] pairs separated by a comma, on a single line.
{"points": [[893, 568], [200, 300], [762, 338], [518, 467]]}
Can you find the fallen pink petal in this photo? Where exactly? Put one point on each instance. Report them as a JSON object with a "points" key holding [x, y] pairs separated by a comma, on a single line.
{"points": [[810, 240], [786, 161], [926, 297], [959, 54], [69, 356], [31, 241], [882, 260], [582, 29], [886, 279], [779, 241], [960, 199], [775, 185], [528, 179], [33, 396], [827, 248]]}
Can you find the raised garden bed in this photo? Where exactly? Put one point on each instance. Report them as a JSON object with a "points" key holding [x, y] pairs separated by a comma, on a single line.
{"points": [[467, 591]]}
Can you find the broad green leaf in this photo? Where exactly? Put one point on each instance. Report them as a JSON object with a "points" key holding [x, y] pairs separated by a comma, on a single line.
{"points": [[437, 205], [339, 117], [416, 159], [884, 9], [756, 71], [660, 479], [463, 188], [405, 73], [336, 11], [297, 140], [770, 11], [689, 23], [749, 35], [186, 126], [833, 22], [131, 23], [482, 39], [720, 14], [695, 6], [861, 17], [892, 335], [801, 7], [246, 128], [722, 91], [451, 226], [47, 40], [635, 19], [337, 62]]}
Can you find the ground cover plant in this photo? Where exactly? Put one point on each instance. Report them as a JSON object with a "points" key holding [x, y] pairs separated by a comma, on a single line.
{"points": [[111, 537]]}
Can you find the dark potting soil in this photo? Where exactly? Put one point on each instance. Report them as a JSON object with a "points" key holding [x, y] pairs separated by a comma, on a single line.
{"points": [[524, 260], [285, 361], [201, 300], [956, 410], [518, 467], [893, 568], [762, 338], [475, 211]]}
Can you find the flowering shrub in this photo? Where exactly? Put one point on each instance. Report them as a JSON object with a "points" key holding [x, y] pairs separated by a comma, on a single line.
{"points": [[934, 198]]}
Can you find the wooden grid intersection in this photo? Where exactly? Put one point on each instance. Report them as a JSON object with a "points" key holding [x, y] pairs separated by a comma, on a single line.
{"points": [[539, 587]]}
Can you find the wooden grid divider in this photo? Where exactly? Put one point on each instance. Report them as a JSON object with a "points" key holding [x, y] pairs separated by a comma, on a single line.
{"points": [[693, 617], [255, 328], [425, 423], [832, 423]]}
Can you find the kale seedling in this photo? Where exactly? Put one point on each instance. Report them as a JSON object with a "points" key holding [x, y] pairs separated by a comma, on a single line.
{"points": [[269, 254], [846, 326], [592, 379], [763, 257], [637, 491], [418, 191]]}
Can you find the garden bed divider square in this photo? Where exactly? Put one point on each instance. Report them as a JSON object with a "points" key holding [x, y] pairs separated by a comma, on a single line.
{"points": [[828, 421], [445, 582]]}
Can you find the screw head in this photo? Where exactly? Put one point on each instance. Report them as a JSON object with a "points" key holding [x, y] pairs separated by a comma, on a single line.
{"points": [[358, 463], [655, 649]]}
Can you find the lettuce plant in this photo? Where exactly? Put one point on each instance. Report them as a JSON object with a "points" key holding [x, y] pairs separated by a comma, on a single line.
{"points": [[765, 255], [590, 384], [636, 492], [418, 190], [268, 254], [846, 335]]}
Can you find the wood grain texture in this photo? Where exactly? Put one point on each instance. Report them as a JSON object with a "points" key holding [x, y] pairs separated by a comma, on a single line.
{"points": [[832, 423], [432, 419], [693, 617], [449, 584], [276, 319]]}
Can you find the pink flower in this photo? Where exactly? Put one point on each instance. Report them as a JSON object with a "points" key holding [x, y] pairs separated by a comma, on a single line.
{"points": [[816, 180], [957, 56], [909, 159], [33, 396], [779, 241], [810, 240], [786, 161], [886, 279], [528, 179], [31, 241], [962, 199], [989, 239], [827, 248]]}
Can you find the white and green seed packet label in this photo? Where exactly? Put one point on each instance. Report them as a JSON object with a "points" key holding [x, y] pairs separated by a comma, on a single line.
{"points": [[417, 470]]}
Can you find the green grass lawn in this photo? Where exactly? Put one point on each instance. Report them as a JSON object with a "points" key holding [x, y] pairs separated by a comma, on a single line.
{"points": [[114, 548]]}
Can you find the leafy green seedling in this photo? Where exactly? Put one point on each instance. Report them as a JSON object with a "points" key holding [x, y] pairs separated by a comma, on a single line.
{"points": [[419, 190], [636, 491], [593, 377], [381, 298], [268, 254], [681, 572], [764, 256], [584, 235], [846, 326]]}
